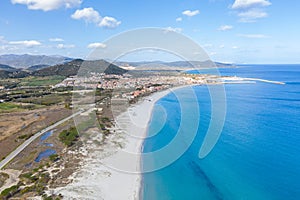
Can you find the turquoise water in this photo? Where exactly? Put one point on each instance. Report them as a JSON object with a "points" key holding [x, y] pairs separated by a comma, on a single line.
{"points": [[258, 154]]}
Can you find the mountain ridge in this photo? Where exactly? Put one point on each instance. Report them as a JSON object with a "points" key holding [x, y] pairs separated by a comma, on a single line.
{"points": [[75, 67], [24, 61]]}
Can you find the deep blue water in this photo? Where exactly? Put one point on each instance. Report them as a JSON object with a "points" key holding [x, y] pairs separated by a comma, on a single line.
{"points": [[257, 156], [45, 154]]}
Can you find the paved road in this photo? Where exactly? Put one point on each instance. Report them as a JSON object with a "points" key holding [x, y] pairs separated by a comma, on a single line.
{"points": [[13, 154]]}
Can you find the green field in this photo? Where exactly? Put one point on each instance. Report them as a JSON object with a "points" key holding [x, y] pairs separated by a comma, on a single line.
{"points": [[10, 107], [41, 81], [47, 100]]}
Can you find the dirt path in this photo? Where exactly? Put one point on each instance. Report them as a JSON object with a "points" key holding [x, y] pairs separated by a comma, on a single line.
{"points": [[12, 180]]}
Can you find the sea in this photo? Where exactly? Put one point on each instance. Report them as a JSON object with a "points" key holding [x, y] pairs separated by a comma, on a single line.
{"points": [[257, 156]]}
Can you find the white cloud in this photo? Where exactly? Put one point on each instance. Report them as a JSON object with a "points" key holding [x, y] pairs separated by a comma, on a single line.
{"points": [[252, 15], [26, 43], [87, 14], [2, 40], [47, 5], [250, 10], [244, 4], [96, 45], [179, 19], [235, 47], [90, 15], [109, 22], [253, 36], [225, 28], [65, 46], [222, 46], [171, 29], [56, 40], [190, 13]]}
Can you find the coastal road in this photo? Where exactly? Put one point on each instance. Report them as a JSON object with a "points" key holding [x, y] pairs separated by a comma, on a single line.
{"points": [[13, 154]]}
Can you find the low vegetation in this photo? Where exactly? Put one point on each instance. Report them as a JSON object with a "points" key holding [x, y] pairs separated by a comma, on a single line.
{"points": [[34, 182], [10, 107], [40, 81], [47, 100], [3, 178], [25, 136], [69, 137], [86, 124], [9, 192], [54, 157]]}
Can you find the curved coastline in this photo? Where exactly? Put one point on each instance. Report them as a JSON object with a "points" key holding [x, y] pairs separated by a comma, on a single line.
{"points": [[144, 104], [97, 180]]}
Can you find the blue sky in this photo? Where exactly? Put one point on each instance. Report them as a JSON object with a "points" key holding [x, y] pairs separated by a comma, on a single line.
{"points": [[240, 31]]}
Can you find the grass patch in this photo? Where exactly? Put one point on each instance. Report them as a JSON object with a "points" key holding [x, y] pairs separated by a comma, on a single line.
{"points": [[48, 100], [10, 107], [28, 158], [29, 176], [41, 81], [88, 123]]}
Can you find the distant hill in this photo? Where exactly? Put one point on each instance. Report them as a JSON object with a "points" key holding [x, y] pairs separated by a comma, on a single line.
{"points": [[26, 60], [6, 68], [37, 67], [82, 67], [178, 65], [101, 66], [13, 74], [4, 74], [67, 69], [72, 68]]}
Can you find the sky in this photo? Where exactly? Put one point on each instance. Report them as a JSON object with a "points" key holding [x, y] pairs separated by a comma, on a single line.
{"points": [[231, 31]]}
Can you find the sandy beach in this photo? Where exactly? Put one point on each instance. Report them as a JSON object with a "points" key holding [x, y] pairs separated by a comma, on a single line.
{"points": [[112, 171]]}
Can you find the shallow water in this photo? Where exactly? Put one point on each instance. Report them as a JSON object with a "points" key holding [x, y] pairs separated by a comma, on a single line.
{"points": [[45, 154], [46, 135], [258, 154]]}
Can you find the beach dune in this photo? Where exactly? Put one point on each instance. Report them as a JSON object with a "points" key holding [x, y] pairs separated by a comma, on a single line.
{"points": [[112, 171]]}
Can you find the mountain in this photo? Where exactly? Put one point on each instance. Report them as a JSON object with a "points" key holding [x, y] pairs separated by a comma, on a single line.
{"points": [[80, 67], [66, 69], [26, 60], [6, 68]]}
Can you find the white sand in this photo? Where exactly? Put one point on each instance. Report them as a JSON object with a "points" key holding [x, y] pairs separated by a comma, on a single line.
{"points": [[112, 171], [12, 180]]}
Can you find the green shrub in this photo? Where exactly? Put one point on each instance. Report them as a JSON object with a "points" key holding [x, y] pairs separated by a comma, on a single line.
{"points": [[9, 192], [21, 137], [54, 157], [69, 137]]}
